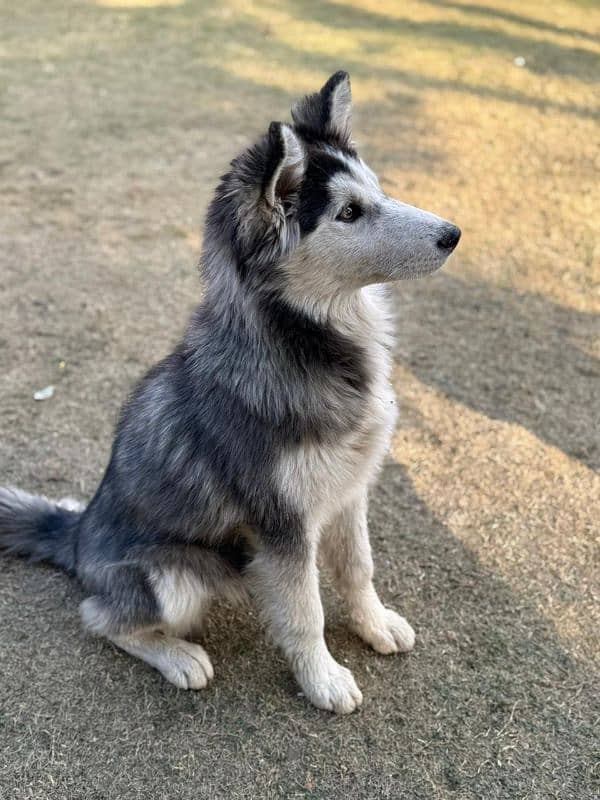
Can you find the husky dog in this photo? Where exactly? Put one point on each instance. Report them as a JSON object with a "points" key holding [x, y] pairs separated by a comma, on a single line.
{"points": [[248, 452]]}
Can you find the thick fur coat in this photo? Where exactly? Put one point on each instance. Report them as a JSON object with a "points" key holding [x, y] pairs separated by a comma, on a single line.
{"points": [[248, 452]]}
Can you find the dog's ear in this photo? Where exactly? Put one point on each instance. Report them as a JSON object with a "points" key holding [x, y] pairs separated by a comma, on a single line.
{"points": [[326, 114], [285, 164]]}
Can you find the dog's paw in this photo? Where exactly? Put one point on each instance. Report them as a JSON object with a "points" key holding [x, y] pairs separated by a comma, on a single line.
{"points": [[386, 631], [186, 665], [327, 684]]}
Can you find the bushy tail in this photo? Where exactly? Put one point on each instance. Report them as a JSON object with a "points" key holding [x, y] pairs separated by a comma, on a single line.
{"points": [[34, 526]]}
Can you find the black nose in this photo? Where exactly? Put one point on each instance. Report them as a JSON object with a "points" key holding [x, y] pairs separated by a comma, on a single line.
{"points": [[448, 238]]}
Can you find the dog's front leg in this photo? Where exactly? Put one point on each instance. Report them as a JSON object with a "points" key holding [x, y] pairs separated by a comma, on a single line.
{"points": [[287, 588], [346, 550]]}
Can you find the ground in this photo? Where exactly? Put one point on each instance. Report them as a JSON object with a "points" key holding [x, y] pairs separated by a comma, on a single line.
{"points": [[116, 118]]}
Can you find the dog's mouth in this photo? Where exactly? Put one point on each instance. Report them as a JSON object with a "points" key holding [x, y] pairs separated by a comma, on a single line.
{"points": [[421, 268]]}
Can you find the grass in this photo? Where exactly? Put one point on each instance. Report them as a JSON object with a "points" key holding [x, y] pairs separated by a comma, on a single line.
{"points": [[116, 119]]}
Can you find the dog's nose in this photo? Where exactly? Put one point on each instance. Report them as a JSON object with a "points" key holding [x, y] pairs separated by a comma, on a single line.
{"points": [[448, 238]]}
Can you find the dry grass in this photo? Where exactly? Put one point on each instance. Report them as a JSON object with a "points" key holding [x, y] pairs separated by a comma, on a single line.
{"points": [[116, 118]]}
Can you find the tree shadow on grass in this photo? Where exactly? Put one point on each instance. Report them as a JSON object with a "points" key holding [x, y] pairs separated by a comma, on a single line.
{"points": [[335, 16], [508, 356], [518, 19], [491, 673], [543, 57], [418, 81]]}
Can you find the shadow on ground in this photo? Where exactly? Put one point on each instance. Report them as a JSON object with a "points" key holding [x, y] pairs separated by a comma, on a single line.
{"points": [[491, 13], [511, 357], [544, 56]]}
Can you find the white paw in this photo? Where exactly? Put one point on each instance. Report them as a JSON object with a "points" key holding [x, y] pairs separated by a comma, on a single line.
{"points": [[186, 665], [326, 683], [386, 631]]}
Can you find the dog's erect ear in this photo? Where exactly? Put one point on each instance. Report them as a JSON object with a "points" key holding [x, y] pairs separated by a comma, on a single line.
{"points": [[326, 114], [285, 164]]}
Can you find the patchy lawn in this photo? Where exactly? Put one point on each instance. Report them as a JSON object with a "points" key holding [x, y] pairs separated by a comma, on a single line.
{"points": [[116, 118]]}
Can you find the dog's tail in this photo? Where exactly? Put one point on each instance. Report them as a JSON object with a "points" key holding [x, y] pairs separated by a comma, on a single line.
{"points": [[34, 526]]}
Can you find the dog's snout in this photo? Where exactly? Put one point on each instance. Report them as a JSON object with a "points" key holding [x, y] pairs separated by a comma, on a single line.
{"points": [[449, 237]]}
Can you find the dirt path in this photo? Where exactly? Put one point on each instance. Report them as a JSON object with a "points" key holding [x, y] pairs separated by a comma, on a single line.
{"points": [[116, 118]]}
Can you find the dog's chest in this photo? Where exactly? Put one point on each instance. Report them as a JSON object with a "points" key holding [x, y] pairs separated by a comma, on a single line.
{"points": [[323, 478]]}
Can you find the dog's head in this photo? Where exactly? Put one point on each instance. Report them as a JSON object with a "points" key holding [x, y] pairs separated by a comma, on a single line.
{"points": [[301, 210]]}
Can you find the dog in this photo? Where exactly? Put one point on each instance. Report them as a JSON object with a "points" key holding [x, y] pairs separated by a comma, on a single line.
{"points": [[244, 458]]}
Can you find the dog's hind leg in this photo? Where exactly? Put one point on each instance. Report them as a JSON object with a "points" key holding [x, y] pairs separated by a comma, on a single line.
{"points": [[346, 550], [147, 605], [184, 664]]}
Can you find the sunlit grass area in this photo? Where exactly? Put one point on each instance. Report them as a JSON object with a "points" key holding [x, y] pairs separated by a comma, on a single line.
{"points": [[442, 107], [140, 3]]}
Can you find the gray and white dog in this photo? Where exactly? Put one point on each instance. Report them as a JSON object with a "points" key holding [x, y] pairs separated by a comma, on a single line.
{"points": [[248, 452]]}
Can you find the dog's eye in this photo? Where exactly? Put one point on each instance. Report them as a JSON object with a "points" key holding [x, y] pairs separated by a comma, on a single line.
{"points": [[350, 213]]}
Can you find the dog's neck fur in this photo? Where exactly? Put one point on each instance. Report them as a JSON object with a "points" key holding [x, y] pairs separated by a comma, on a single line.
{"points": [[308, 360], [363, 315]]}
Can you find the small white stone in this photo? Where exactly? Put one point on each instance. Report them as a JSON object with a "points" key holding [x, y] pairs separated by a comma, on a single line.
{"points": [[44, 394], [519, 61]]}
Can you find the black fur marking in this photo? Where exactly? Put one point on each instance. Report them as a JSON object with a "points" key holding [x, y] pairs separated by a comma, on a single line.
{"points": [[35, 527], [314, 192], [312, 117], [236, 554], [128, 601], [275, 153], [315, 346], [326, 94]]}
